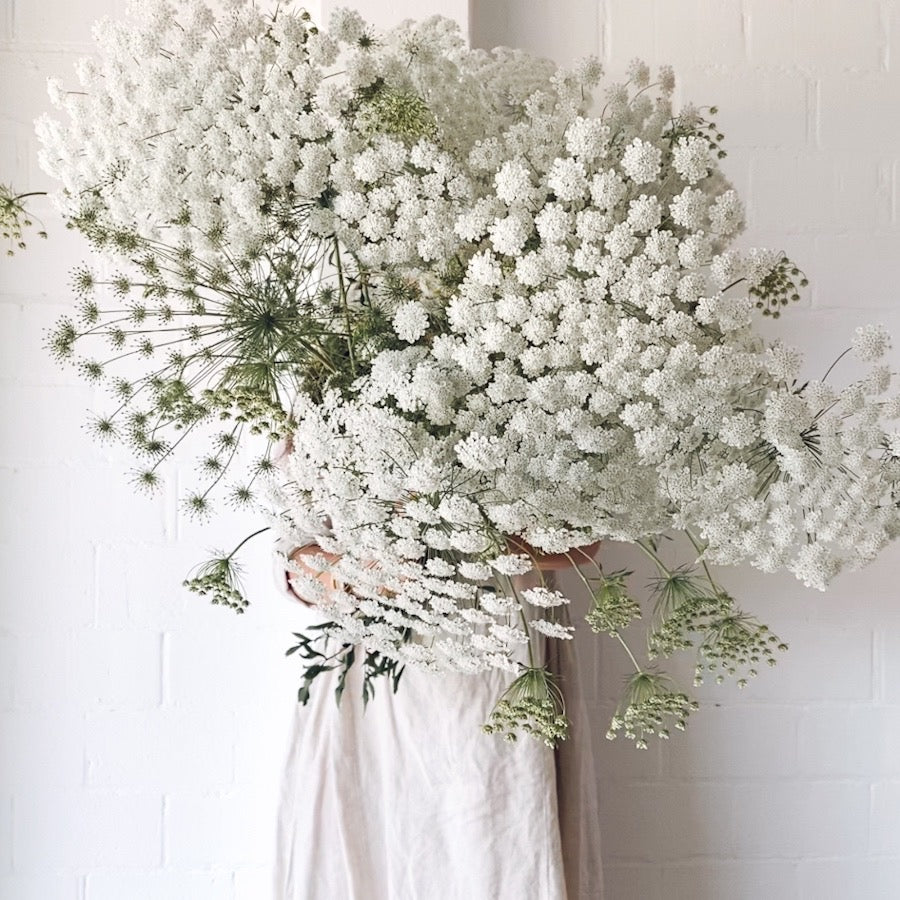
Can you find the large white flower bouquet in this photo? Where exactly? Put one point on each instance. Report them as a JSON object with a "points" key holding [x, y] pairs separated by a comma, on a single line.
{"points": [[496, 312]]}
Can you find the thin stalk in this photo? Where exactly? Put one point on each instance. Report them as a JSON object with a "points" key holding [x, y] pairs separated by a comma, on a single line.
{"points": [[225, 467], [836, 362], [638, 667], [699, 548], [244, 541], [524, 621], [659, 563], [342, 290]]}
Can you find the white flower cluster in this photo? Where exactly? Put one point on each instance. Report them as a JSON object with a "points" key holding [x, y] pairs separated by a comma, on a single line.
{"points": [[231, 120], [572, 363], [593, 380]]}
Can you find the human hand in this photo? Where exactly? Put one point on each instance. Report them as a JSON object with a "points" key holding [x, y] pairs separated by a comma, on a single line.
{"points": [[299, 556], [553, 562]]}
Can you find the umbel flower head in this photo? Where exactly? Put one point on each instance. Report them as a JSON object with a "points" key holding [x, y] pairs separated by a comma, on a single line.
{"points": [[15, 218], [218, 578], [533, 704], [650, 702], [613, 609]]}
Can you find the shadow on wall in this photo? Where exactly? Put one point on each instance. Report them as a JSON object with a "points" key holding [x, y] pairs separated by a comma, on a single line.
{"points": [[563, 32]]}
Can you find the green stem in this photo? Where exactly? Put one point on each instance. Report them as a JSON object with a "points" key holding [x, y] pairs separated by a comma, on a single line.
{"points": [[523, 619], [699, 548], [627, 649], [248, 538], [659, 563], [343, 293], [638, 667], [224, 469], [836, 362]]}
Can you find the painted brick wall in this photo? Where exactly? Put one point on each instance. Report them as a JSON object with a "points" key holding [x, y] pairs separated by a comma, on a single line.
{"points": [[141, 732], [790, 789]]}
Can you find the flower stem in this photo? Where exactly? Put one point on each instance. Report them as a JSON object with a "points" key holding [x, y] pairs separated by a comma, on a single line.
{"points": [[699, 548], [248, 538], [342, 290], [638, 667], [652, 554], [524, 620]]}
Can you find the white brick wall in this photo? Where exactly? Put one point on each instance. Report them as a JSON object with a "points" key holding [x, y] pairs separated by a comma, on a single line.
{"points": [[141, 732], [789, 790]]}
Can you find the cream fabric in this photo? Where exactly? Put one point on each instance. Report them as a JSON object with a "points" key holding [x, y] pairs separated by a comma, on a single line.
{"points": [[410, 800]]}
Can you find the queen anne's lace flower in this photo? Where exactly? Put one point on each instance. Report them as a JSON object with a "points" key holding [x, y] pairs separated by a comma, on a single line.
{"points": [[530, 330], [513, 181], [726, 215], [542, 597], [871, 342], [688, 209], [410, 321], [567, 180], [552, 629], [641, 161], [691, 158]]}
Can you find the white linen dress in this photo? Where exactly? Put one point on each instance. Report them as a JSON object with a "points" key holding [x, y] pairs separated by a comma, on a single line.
{"points": [[410, 800]]}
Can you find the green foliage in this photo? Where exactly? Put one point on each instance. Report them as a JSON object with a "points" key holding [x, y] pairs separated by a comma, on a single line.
{"points": [[693, 611], [218, 579], [690, 612], [675, 590], [394, 111], [733, 641], [692, 123], [313, 647]]}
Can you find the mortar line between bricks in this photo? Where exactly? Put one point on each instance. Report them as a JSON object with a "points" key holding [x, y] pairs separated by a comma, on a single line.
{"points": [[164, 656], [95, 593], [746, 30], [813, 113], [800, 703], [689, 861], [12, 833], [163, 833], [869, 816], [893, 189], [85, 758], [877, 665], [692, 860], [75, 49]]}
